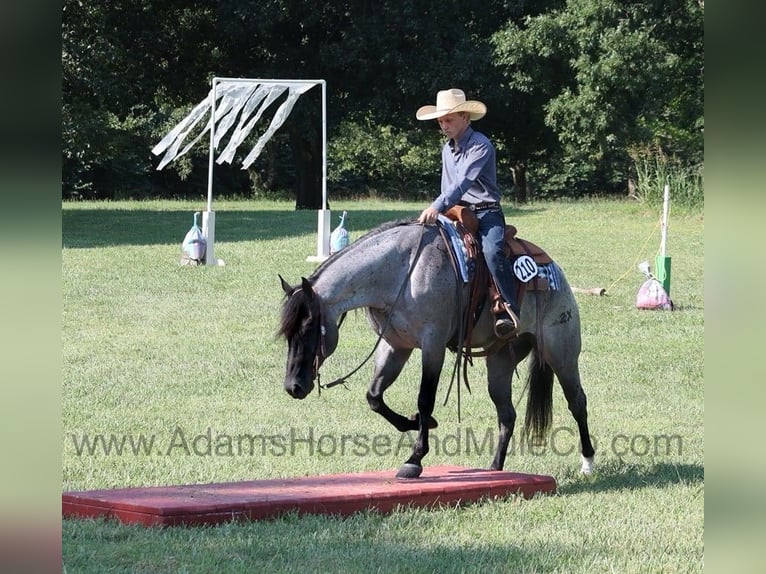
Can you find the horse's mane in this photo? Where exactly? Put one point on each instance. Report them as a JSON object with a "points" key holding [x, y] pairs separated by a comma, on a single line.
{"points": [[297, 309], [358, 243]]}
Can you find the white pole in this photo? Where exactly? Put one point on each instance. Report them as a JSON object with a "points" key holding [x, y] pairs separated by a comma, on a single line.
{"points": [[323, 236], [208, 217], [665, 210], [212, 147], [323, 215], [663, 261], [324, 144]]}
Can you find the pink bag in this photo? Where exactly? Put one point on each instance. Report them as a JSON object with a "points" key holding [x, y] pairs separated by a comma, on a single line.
{"points": [[652, 295]]}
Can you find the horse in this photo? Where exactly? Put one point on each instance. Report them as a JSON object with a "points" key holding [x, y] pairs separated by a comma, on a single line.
{"points": [[400, 273]]}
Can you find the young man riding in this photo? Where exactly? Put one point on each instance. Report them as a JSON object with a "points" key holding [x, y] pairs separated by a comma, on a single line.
{"points": [[469, 178]]}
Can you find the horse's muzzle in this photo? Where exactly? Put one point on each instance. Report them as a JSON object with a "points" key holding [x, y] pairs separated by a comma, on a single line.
{"points": [[297, 391]]}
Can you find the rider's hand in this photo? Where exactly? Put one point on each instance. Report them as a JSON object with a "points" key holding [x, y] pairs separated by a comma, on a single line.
{"points": [[428, 216]]}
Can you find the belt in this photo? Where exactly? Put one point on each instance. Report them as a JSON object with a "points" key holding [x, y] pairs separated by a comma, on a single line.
{"points": [[483, 206]]}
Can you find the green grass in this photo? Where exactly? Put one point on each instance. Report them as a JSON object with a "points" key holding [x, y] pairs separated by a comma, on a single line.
{"points": [[154, 349]]}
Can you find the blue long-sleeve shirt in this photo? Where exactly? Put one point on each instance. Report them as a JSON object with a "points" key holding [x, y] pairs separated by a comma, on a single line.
{"points": [[469, 171]]}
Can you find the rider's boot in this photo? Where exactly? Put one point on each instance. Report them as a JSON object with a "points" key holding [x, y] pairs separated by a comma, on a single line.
{"points": [[506, 322]]}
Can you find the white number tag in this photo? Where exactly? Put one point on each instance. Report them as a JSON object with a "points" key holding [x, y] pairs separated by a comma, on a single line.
{"points": [[525, 268]]}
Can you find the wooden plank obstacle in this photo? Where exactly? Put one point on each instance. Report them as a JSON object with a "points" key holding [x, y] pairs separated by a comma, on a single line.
{"points": [[335, 494]]}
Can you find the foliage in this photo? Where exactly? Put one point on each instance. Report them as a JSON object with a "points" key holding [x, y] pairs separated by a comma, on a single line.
{"points": [[572, 86], [118, 59], [609, 75], [366, 154], [655, 169]]}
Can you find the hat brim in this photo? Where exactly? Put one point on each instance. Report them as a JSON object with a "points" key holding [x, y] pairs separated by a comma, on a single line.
{"points": [[476, 110]]}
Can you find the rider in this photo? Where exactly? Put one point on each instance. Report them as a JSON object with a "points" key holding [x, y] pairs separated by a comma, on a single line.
{"points": [[469, 179]]}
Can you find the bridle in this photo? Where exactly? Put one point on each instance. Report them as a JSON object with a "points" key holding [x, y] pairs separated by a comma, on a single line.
{"points": [[320, 353]]}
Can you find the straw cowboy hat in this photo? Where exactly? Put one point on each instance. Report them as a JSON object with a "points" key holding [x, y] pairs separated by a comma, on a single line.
{"points": [[450, 102]]}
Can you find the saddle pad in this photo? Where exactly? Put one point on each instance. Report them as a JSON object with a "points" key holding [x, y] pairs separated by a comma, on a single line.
{"points": [[547, 278], [458, 247]]}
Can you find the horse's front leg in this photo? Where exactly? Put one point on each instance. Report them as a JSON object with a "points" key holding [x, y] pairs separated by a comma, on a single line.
{"points": [[389, 363], [432, 366]]}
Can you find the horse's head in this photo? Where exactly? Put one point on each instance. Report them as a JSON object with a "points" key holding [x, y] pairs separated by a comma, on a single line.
{"points": [[303, 328]]}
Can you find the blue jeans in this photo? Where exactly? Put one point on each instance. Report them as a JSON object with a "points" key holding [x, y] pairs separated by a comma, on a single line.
{"points": [[492, 232]]}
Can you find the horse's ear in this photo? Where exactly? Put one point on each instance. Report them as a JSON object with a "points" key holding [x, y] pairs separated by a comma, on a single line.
{"points": [[307, 288], [285, 286]]}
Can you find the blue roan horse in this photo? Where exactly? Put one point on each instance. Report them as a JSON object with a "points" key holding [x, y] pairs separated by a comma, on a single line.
{"points": [[401, 274]]}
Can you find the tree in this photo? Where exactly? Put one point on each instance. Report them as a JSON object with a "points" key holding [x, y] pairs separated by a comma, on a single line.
{"points": [[608, 76], [120, 59], [574, 87]]}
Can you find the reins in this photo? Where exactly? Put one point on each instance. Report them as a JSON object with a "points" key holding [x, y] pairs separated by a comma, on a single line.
{"points": [[463, 319], [320, 347]]}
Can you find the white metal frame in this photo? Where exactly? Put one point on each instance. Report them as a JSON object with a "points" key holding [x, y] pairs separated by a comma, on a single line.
{"points": [[323, 217]]}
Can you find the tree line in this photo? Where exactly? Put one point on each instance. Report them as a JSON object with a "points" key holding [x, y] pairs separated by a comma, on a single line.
{"points": [[584, 96]]}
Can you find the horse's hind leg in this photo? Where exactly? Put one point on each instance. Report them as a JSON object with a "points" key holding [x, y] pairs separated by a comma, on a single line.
{"points": [[389, 363], [569, 378], [562, 344], [500, 368]]}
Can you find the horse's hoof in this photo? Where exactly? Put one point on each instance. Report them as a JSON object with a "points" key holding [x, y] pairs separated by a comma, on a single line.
{"points": [[409, 470], [587, 465]]}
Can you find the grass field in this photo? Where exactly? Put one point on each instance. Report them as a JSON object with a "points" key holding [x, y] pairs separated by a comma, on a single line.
{"points": [[170, 364]]}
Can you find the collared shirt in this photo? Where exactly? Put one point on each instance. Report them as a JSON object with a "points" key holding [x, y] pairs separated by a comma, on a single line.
{"points": [[469, 172]]}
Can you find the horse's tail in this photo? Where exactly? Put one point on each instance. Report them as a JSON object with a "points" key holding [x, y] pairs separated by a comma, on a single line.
{"points": [[539, 398]]}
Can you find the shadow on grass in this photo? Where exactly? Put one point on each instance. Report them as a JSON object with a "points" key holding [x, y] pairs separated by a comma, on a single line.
{"points": [[88, 228], [621, 475]]}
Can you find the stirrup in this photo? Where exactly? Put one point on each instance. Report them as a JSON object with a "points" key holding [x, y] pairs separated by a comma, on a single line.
{"points": [[507, 323]]}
